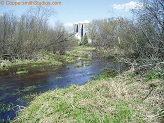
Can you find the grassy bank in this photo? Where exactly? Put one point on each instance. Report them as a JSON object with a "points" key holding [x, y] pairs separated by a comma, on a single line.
{"points": [[48, 59], [122, 99]]}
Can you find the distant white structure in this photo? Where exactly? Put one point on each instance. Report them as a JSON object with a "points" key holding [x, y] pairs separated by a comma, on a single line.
{"points": [[81, 29]]}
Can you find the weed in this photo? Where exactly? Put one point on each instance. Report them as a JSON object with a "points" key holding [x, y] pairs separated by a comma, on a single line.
{"points": [[29, 88], [5, 87], [21, 71], [154, 75], [4, 68], [105, 76], [6, 107], [123, 115], [131, 75], [58, 78], [27, 98], [78, 65]]}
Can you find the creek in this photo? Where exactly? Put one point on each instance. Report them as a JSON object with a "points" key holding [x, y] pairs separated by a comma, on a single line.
{"points": [[14, 87]]}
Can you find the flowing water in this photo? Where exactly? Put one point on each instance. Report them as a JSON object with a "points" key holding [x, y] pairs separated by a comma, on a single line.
{"points": [[14, 87]]}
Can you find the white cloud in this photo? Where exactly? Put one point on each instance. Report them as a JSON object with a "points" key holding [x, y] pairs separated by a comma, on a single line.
{"points": [[128, 6], [1, 14]]}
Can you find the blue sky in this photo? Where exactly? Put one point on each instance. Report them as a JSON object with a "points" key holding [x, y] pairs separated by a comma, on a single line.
{"points": [[78, 10]]}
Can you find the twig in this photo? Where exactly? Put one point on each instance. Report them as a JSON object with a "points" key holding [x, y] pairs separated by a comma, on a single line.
{"points": [[148, 94]]}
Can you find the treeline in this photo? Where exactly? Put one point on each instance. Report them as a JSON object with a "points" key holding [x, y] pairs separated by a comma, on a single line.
{"points": [[141, 41], [24, 37]]}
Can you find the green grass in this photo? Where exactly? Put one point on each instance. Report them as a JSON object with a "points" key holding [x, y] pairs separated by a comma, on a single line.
{"points": [[8, 120], [58, 78], [4, 69], [83, 64], [68, 67], [27, 98], [6, 107], [154, 75], [50, 59], [74, 104], [88, 63], [81, 51], [131, 75], [4, 87], [85, 59], [25, 89], [21, 71], [78, 65], [108, 100], [105, 76], [28, 88], [4, 96]]}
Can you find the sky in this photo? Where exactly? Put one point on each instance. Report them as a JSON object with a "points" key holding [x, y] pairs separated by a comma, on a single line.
{"points": [[70, 11]]}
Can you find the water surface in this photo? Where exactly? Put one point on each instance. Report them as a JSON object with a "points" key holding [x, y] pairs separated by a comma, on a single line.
{"points": [[14, 87]]}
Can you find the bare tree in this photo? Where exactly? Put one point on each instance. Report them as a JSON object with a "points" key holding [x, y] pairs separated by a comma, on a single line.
{"points": [[24, 37], [150, 34]]}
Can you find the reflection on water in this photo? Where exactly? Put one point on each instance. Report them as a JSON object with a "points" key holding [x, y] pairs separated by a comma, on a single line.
{"points": [[14, 87]]}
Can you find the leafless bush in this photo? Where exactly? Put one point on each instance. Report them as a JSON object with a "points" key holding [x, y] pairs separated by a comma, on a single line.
{"points": [[23, 37], [141, 41], [150, 34]]}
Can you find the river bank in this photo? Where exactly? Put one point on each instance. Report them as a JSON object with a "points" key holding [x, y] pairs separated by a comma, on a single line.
{"points": [[114, 96], [21, 83], [47, 59], [122, 99]]}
